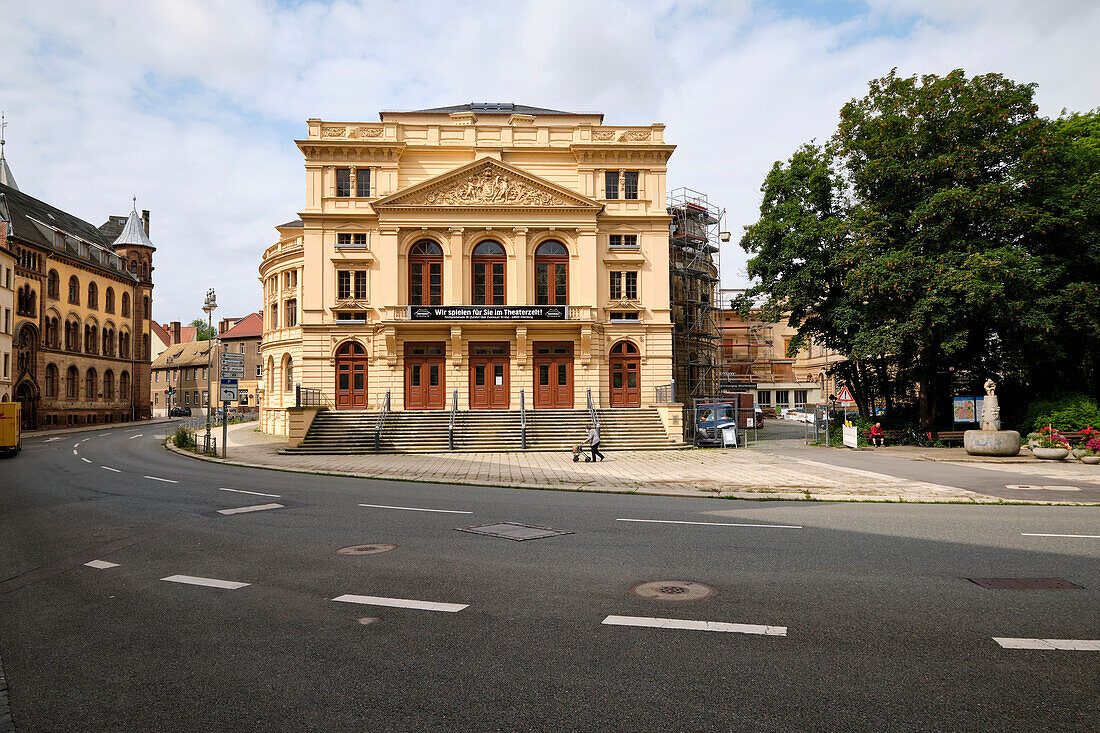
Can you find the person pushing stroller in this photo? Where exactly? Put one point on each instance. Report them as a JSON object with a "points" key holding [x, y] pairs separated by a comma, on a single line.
{"points": [[593, 440]]}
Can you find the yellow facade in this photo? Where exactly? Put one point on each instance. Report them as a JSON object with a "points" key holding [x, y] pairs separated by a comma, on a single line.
{"points": [[491, 251], [7, 320]]}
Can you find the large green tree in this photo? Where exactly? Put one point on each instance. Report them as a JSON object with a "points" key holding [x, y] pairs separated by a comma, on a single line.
{"points": [[919, 242], [203, 332]]}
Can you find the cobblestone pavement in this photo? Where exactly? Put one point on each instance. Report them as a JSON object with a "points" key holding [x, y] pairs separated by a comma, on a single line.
{"points": [[736, 473], [6, 724]]}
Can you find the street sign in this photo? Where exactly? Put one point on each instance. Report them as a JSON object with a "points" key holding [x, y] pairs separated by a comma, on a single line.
{"points": [[227, 391], [845, 395], [232, 372], [229, 357]]}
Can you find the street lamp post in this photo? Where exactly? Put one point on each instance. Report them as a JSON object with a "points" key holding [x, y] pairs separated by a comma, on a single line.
{"points": [[208, 306]]}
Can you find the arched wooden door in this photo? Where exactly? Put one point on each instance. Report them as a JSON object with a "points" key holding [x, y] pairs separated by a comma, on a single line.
{"points": [[625, 364], [351, 377]]}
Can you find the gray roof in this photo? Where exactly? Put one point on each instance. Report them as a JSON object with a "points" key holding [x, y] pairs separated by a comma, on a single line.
{"points": [[36, 222], [6, 178], [297, 223], [486, 108], [133, 232]]}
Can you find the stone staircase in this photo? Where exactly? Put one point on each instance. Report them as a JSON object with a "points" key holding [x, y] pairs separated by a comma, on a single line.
{"points": [[486, 431]]}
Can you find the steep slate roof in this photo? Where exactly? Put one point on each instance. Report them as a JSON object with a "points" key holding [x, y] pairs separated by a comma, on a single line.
{"points": [[184, 355], [133, 232], [251, 326], [6, 178], [35, 221]]}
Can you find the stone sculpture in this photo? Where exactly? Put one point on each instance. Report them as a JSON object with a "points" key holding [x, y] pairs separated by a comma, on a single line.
{"points": [[991, 440]]}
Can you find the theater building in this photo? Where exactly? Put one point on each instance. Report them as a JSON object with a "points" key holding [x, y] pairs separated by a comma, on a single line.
{"points": [[472, 257]]}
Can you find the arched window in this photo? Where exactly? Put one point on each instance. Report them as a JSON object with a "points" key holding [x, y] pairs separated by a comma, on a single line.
{"points": [[72, 335], [426, 273], [53, 285], [51, 332], [51, 380], [74, 290], [91, 338], [72, 382], [108, 385], [551, 273], [124, 344], [124, 386], [288, 371], [488, 269], [90, 389], [125, 305], [270, 374], [93, 295], [109, 300]]}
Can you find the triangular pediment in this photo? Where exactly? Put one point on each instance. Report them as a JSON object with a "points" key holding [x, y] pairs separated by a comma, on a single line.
{"points": [[487, 183]]}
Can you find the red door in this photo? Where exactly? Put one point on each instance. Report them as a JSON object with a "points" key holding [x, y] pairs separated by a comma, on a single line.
{"points": [[625, 364], [553, 362], [351, 377], [489, 376], [424, 376]]}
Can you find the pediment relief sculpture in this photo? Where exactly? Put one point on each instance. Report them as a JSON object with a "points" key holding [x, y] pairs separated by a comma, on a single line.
{"points": [[488, 186]]}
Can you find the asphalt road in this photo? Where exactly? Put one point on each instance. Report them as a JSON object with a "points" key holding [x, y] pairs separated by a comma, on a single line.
{"points": [[870, 622]]}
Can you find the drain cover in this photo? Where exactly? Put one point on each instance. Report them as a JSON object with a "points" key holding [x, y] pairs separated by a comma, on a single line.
{"points": [[366, 549], [1024, 583], [513, 531], [673, 590]]}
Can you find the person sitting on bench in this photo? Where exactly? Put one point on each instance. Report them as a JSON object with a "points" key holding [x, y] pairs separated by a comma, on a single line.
{"points": [[877, 436]]}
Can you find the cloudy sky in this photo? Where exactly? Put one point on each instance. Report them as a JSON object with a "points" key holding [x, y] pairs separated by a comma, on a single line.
{"points": [[192, 105]]}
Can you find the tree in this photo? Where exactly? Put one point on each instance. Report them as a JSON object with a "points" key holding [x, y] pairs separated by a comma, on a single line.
{"points": [[203, 332], [907, 243]]}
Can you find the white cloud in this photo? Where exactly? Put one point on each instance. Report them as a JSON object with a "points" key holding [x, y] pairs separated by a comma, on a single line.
{"points": [[193, 106]]}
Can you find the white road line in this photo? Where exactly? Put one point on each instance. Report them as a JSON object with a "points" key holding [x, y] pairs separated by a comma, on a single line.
{"points": [[254, 493], [675, 623], [210, 582], [402, 603], [256, 508], [85, 459], [415, 509], [76, 444], [135, 436], [50, 440], [101, 564], [712, 524], [74, 451], [111, 469], [85, 440], [1038, 534], [1065, 645], [165, 480]]}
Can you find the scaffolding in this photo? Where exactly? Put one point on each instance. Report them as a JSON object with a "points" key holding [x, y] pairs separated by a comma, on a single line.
{"points": [[694, 236], [748, 356]]}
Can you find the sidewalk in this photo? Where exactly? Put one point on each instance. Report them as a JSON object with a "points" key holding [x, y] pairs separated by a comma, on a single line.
{"points": [[741, 473]]}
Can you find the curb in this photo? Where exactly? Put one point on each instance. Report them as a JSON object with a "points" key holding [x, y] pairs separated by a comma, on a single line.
{"points": [[736, 495]]}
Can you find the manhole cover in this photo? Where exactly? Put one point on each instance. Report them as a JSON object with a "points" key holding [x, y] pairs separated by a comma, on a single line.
{"points": [[1024, 583], [673, 590], [366, 549], [513, 531]]}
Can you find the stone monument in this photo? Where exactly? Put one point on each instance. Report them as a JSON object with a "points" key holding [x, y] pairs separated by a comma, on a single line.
{"points": [[991, 440]]}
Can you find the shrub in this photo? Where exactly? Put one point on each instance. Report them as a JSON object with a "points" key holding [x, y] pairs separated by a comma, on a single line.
{"points": [[1068, 413], [863, 428], [183, 438]]}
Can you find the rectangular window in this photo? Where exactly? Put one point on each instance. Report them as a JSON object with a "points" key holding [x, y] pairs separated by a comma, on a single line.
{"points": [[630, 285], [187, 398], [259, 371], [343, 181], [242, 348], [358, 316], [622, 241], [360, 284], [205, 398], [782, 397], [6, 366], [343, 284], [631, 316], [630, 184], [616, 291], [274, 315], [799, 398], [204, 375], [362, 182], [764, 398], [156, 377], [611, 184], [156, 399], [291, 313]]}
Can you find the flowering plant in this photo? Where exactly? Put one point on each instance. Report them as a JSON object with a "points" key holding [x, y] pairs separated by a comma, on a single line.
{"points": [[1087, 435], [1093, 447], [1050, 438]]}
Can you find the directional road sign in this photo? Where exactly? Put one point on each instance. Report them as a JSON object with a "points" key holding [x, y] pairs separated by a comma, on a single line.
{"points": [[227, 391]]}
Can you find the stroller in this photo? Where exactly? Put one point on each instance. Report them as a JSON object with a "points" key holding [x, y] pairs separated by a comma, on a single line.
{"points": [[578, 451]]}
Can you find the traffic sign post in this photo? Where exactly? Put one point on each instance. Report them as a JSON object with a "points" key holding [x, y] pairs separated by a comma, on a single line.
{"points": [[227, 392]]}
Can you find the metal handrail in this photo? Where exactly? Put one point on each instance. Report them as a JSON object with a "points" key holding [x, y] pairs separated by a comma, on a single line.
{"points": [[451, 427], [381, 420], [522, 420], [595, 417], [310, 397], [664, 393]]}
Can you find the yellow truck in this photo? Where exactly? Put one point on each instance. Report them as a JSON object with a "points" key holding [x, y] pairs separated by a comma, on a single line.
{"points": [[11, 440]]}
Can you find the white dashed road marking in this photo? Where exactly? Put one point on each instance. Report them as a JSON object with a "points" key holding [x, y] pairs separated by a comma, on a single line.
{"points": [[402, 603], [1037, 534], [111, 469], [1032, 487], [76, 444], [254, 493], [165, 480], [85, 459], [209, 582], [135, 436], [101, 564], [683, 624], [74, 451], [415, 509], [50, 440], [244, 509], [1064, 645], [712, 524]]}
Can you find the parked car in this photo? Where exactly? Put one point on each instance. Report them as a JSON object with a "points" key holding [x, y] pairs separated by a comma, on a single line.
{"points": [[711, 420], [180, 412]]}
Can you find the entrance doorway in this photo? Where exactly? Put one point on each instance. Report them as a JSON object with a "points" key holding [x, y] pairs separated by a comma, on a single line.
{"points": [[489, 376], [553, 374], [424, 378], [25, 395], [625, 364], [351, 377]]}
